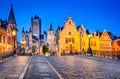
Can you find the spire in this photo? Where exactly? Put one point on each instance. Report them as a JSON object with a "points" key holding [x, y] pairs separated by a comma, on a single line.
{"points": [[23, 29], [45, 32], [11, 18], [30, 30], [51, 26]]}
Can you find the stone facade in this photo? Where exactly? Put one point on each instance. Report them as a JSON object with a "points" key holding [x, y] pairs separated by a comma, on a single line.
{"points": [[51, 39], [32, 37]]}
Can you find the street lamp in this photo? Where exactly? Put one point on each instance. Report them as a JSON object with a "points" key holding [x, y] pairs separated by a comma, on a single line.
{"points": [[89, 52], [14, 33]]}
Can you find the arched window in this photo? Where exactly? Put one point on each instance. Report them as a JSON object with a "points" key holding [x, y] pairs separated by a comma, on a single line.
{"points": [[3, 39]]}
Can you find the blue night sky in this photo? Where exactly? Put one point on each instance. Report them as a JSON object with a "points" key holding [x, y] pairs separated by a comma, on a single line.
{"points": [[93, 14]]}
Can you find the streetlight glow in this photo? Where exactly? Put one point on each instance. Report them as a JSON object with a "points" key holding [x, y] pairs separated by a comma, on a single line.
{"points": [[14, 32], [89, 35]]}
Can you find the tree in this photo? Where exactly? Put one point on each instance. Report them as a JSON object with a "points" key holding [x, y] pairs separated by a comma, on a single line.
{"points": [[45, 49]]}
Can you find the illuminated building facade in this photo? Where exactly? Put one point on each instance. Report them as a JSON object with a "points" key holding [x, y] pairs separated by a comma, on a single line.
{"points": [[116, 45], [98, 41], [7, 41], [69, 38]]}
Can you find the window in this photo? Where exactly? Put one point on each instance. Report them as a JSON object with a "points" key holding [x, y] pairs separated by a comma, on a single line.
{"points": [[3, 39], [69, 39], [0, 38], [66, 40], [73, 40], [83, 43], [9, 40], [94, 43], [67, 49]]}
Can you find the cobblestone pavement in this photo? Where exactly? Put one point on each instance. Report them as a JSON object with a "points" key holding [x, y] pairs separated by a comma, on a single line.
{"points": [[81, 67], [39, 69], [12, 68]]}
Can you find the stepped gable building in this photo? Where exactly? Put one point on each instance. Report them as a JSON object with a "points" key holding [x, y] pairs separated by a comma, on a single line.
{"points": [[78, 40], [98, 41], [7, 41], [69, 38]]}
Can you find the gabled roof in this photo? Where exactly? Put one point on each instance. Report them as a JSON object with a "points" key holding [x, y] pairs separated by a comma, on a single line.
{"points": [[81, 26], [50, 26], [105, 36]]}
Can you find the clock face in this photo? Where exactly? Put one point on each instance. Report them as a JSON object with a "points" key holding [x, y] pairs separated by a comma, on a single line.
{"points": [[118, 43]]}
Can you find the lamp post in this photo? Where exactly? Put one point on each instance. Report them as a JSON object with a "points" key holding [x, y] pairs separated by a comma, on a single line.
{"points": [[14, 33], [89, 52]]}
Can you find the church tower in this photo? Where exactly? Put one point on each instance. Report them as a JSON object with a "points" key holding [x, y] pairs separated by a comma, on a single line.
{"points": [[11, 19], [51, 39], [12, 26], [36, 26]]}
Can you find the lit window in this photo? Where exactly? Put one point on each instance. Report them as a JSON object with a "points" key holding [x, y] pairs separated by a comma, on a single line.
{"points": [[9, 40], [94, 43], [0, 39], [73, 40], [3, 39], [69, 39], [66, 49], [66, 40]]}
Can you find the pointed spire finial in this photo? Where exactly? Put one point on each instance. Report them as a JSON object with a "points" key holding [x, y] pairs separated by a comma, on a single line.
{"points": [[50, 26], [30, 30], [23, 29], [11, 5], [11, 18]]}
